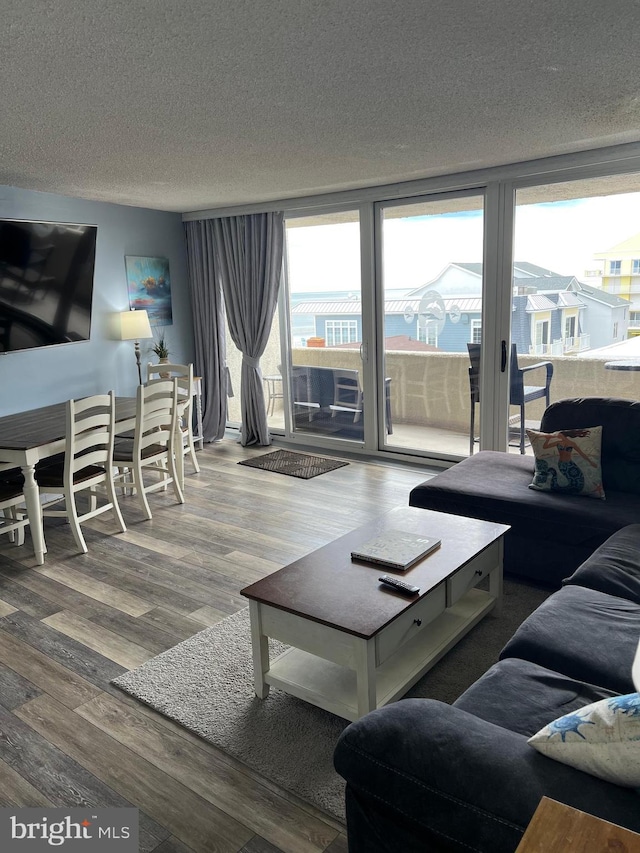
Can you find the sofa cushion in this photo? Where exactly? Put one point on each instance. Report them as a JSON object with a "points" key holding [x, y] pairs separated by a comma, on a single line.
{"points": [[523, 696], [602, 739], [568, 461], [459, 780], [494, 486], [614, 568], [574, 632], [620, 421]]}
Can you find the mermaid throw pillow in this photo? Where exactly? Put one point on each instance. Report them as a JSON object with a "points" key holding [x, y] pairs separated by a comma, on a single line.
{"points": [[568, 461]]}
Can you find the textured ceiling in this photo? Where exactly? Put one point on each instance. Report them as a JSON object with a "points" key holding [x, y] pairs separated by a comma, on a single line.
{"points": [[195, 104]]}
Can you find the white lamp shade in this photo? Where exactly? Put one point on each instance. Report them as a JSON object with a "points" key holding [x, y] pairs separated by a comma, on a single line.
{"points": [[134, 326]]}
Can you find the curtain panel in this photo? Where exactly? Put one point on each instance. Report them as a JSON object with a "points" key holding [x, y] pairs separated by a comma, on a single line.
{"points": [[247, 255], [207, 307]]}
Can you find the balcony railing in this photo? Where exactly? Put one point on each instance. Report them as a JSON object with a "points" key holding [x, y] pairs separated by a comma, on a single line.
{"points": [[430, 391], [561, 346]]}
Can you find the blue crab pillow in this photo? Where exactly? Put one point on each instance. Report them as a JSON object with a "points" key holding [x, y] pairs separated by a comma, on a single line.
{"points": [[568, 461], [602, 739]]}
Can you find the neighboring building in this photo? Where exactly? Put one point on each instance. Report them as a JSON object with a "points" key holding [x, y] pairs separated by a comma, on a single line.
{"points": [[552, 314], [608, 315], [621, 275]]}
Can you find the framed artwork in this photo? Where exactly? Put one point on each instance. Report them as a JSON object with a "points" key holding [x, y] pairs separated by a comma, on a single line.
{"points": [[149, 286]]}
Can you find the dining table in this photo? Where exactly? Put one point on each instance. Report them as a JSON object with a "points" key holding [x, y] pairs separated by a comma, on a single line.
{"points": [[27, 438]]}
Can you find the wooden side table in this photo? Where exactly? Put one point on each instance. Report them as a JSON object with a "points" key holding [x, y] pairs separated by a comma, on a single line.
{"points": [[557, 828]]}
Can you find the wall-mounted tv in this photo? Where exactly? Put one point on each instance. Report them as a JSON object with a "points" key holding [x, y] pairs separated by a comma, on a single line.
{"points": [[46, 283]]}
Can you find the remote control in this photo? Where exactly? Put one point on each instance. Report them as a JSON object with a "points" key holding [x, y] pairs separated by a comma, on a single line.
{"points": [[399, 586]]}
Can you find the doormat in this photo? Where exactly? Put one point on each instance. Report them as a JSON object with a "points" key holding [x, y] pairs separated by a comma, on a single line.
{"points": [[300, 465]]}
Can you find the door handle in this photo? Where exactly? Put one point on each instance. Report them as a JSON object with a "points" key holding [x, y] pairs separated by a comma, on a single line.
{"points": [[503, 360]]}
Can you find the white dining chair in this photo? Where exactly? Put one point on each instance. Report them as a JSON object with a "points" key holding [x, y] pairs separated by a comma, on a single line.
{"points": [[13, 517], [152, 449], [184, 374], [87, 464]]}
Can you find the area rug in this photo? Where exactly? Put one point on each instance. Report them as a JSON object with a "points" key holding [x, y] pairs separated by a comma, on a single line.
{"points": [[206, 684], [300, 465]]}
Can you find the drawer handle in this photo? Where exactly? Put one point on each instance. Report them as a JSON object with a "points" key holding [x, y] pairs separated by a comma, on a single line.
{"points": [[479, 572], [417, 622]]}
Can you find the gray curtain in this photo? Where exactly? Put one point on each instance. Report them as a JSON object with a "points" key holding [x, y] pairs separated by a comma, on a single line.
{"points": [[207, 307], [248, 260]]}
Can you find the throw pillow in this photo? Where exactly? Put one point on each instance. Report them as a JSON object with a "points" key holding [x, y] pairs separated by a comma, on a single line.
{"points": [[602, 739], [568, 461]]}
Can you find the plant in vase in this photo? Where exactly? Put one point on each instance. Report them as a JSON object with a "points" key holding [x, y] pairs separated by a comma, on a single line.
{"points": [[161, 349]]}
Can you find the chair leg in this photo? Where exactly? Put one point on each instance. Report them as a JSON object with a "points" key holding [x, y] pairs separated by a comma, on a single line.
{"points": [[522, 429], [138, 484], [111, 492], [72, 515], [472, 428], [175, 475], [192, 449]]}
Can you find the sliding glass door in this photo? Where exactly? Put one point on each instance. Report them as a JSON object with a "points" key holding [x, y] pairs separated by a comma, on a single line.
{"points": [[431, 269], [576, 290]]}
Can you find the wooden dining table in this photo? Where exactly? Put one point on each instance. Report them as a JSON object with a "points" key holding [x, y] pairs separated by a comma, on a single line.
{"points": [[28, 437]]}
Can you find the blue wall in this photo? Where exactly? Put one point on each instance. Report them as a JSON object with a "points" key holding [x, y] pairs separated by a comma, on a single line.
{"points": [[39, 377]]}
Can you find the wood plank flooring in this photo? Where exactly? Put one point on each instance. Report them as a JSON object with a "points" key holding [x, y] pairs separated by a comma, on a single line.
{"points": [[67, 737]]}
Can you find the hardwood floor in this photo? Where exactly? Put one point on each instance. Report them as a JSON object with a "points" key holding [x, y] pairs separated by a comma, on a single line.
{"points": [[68, 738]]}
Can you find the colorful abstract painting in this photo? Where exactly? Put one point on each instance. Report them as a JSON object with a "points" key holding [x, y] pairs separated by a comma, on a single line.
{"points": [[149, 286]]}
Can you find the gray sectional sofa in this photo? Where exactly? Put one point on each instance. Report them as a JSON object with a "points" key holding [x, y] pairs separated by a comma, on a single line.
{"points": [[426, 776], [551, 534]]}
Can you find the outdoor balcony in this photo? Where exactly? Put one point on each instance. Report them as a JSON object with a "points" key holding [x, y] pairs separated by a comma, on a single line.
{"points": [[429, 392]]}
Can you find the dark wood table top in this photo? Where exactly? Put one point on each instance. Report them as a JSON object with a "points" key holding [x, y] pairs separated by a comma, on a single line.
{"points": [[623, 364], [327, 586], [36, 427]]}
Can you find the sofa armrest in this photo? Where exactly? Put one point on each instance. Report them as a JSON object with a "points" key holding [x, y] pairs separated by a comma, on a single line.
{"points": [[457, 781]]}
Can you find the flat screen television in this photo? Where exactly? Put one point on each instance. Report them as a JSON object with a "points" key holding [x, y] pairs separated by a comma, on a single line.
{"points": [[46, 283]]}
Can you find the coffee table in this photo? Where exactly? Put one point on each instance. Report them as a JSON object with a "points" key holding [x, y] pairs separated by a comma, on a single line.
{"points": [[355, 645]]}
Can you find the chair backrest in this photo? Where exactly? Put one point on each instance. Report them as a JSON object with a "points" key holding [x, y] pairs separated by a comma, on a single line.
{"points": [[346, 388], [156, 413], [516, 382], [90, 431], [516, 379], [182, 372], [474, 371]]}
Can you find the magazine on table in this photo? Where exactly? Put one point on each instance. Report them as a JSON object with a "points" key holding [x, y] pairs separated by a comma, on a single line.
{"points": [[396, 549]]}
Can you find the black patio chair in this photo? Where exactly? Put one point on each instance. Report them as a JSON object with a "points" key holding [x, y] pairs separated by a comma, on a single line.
{"points": [[519, 393]]}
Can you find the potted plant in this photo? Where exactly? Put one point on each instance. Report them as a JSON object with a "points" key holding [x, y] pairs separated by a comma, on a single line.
{"points": [[161, 349]]}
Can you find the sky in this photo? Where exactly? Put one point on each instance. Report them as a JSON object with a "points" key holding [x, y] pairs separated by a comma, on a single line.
{"points": [[562, 236]]}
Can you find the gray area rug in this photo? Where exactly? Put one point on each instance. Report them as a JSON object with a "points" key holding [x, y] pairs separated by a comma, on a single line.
{"points": [[206, 684], [301, 465]]}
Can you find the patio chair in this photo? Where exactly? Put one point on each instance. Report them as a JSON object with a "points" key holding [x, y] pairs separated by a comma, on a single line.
{"points": [[347, 395], [519, 393]]}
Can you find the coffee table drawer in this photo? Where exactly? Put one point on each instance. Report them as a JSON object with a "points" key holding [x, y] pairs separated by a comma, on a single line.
{"points": [[410, 623], [471, 574]]}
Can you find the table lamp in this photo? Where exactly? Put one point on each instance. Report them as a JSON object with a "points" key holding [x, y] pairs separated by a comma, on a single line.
{"points": [[134, 326]]}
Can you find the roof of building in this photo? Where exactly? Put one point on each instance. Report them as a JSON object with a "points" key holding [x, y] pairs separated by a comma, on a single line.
{"points": [[631, 244], [563, 298], [539, 302], [534, 270], [589, 292], [550, 282]]}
